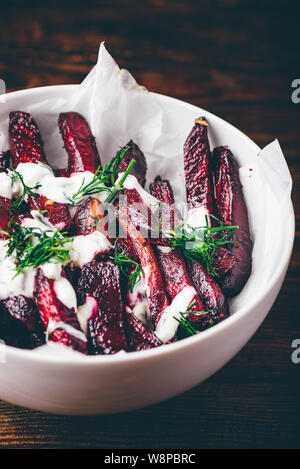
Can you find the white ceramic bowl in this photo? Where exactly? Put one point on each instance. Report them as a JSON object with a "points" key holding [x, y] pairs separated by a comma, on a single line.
{"points": [[108, 384]]}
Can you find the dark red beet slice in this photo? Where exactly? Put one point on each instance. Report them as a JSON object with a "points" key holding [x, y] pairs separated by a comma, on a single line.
{"points": [[79, 143], [58, 214], [210, 292], [140, 168], [12, 331], [162, 190], [24, 310], [25, 139], [172, 264], [133, 216], [232, 210], [199, 190], [90, 216], [138, 337], [101, 280], [199, 187], [51, 308], [26, 146]]}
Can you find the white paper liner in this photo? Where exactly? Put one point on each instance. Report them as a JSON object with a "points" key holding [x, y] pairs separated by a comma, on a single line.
{"points": [[118, 109]]}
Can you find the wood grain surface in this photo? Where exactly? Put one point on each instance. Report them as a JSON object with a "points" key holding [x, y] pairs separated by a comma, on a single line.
{"points": [[237, 59]]}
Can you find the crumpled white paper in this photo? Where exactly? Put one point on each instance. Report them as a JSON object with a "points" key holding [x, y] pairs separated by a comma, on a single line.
{"points": [[118, 109]]}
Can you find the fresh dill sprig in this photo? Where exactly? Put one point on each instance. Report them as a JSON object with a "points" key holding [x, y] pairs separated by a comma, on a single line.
{"points": [[185, 322], [104, 179], [199, 244], [18, 237], [34, 247], [27, 190], [125, 264]]}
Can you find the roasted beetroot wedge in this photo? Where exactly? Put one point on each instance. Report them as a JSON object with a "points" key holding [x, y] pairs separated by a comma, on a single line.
{"points": [[60, 321], [133, 216], [198, 180], [79, 143], [172, 264], [210, 292], [138, 337], [90, 216], [26, 146], [140, 168], [232, 210], [23, 310], [162, 190], [101, 280], [58, 214], [25, 139], [200, 193]]}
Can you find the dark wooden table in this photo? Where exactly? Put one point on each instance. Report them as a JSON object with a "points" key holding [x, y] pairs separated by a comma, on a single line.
{"points": [[237, 59]]}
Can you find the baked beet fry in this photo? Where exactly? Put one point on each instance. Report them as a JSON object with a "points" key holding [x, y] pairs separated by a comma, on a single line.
{"points": [[232, 210], [58, 214], [171, 262], [101, 280], [199, 190], [140, 168], [26, 146], [25, 139], [199, 187], [138, 337], [79, 143], [198, 180], [52, 309], [127, 214], [89, 216]]}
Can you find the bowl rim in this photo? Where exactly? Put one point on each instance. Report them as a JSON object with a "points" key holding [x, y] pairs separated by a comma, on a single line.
{"points": [[188, 342]]}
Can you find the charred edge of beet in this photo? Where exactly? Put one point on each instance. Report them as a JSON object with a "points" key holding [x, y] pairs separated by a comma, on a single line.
{"points": [[140, 168]]}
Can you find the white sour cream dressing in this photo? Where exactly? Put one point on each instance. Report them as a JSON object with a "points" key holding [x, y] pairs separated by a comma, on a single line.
{"points": [[131, 182], [86, 311], [52, 187], [85, 248], [10, 284], [196, 217], [138, 302], [167, 325]]}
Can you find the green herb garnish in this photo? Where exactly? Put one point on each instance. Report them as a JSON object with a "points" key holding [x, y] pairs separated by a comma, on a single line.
{"points": [[103, 178], [34, 247], [186, 323], [27, 190], [125, 264], [199, 244]]}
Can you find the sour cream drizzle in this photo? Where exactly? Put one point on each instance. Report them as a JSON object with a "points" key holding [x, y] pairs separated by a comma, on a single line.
{"points": [[167, 325]]}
